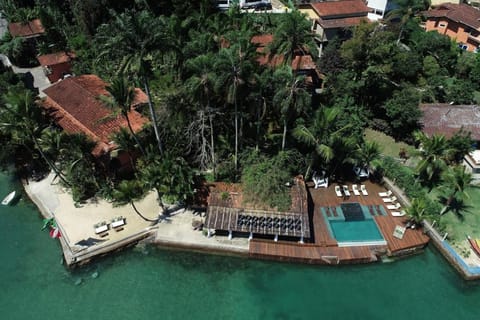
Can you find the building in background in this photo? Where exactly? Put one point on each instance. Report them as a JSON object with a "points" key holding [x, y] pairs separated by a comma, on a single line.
{"points": [[460, 22]]}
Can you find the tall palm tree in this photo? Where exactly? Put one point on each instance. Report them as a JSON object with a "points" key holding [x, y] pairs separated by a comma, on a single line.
{"points": [[366, 153], [233, 66], [21, 118], [171, 177], [433, 153], [290, 96], [122, 96], [132, 38], [292, 34], [129, 191], [201, 83], [405, 10], [455, 182], [323, 135]]}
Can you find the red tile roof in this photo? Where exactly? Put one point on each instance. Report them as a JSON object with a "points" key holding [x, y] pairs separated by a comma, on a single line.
{"points": [[30, 29], [447, 119], [75, 105], [300, 62], [460, 13], [55, 58], [303, 63], [340, 9]]}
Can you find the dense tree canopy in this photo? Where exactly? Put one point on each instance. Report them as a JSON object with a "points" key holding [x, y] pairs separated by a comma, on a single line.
{"points": [[211, 103]]}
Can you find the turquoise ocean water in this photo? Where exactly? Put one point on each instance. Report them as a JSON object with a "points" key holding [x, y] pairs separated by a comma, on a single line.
{"points": [[150, 283]]}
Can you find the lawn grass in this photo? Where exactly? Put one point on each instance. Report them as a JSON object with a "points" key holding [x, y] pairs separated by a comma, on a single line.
{"points": [[388, 145], [458, 228], [476, 97]]}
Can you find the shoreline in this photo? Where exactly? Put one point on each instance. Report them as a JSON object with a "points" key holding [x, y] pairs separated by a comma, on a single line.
{"points": [[76, 224], [171, 232]]}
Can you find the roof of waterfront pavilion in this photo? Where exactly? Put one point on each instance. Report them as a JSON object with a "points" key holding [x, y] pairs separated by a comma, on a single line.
{"points": [[446, 119], [75, 106], [232, 214]]}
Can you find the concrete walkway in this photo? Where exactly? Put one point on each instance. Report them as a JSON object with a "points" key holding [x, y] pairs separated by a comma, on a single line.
{"points": [[40, 80]]}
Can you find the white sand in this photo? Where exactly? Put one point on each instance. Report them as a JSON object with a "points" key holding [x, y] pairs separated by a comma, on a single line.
{"points": [[76, 223], [472, 260]]}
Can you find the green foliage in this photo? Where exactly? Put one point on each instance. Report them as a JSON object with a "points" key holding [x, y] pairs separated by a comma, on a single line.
{"points": [[171, 176], [128, 191], [460, 144], [404, 178], [403, 112], [264, 179], [460, 91]]}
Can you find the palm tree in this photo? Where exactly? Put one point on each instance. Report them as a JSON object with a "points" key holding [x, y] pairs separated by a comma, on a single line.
{"points": [[404, 12], [171, 177], [433, 153], [129, 191], [367, 153], [132, 38], [122, 96], [292, 34], [21, 118], [290, 96], [455, 182], [417, 211], [233, 66], [201, 84], [323, 135]]}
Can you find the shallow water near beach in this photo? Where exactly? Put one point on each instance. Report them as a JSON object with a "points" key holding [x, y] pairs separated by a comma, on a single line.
{"points": [[149, 283]]}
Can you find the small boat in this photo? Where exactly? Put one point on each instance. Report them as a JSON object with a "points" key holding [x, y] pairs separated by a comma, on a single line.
{"points": [[475, 245], [6, 201]]}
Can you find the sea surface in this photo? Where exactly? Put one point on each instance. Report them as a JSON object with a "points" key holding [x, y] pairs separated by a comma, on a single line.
{"points": [[146, 282]]}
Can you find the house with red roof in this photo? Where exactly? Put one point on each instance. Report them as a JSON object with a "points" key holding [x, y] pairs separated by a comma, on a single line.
{"points": [[302, 63], [447, 119], [56, 65], [74, 105], [333, 18], [460, 22], [30, 29]]}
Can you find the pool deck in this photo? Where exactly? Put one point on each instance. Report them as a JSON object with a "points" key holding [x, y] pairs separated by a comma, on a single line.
{"points": [[324, 249]]}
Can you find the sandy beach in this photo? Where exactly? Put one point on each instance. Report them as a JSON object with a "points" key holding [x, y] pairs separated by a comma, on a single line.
{"points": [[76, 223]]}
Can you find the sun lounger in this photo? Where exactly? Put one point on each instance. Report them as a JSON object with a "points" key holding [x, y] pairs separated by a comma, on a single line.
{"points": [[394, 206], [355, 190], [392, 199], [100, 227], [118, 222], [385, 194], [364, 190], [399, 232], [398, 213], [345, 190], [338, 191]]}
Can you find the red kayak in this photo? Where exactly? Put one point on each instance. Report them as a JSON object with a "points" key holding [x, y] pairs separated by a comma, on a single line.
{"points": [[475, 245], [55, 233]]}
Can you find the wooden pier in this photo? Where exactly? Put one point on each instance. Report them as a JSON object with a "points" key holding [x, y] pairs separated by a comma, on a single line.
{"points": [[324, 249]]}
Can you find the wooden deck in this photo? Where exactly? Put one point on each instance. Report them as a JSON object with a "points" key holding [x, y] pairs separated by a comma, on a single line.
{"points": [[324, 249]]}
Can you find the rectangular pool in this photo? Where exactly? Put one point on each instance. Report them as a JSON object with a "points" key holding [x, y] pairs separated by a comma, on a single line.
{"points": [[353, 226], [355, 231]]}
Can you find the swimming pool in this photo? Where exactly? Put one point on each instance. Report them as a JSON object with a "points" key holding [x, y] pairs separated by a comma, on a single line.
{"points": [[361, 230]]}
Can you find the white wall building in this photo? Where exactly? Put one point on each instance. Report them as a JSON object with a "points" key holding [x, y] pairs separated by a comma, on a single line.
{"points": [[378, 8]]}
